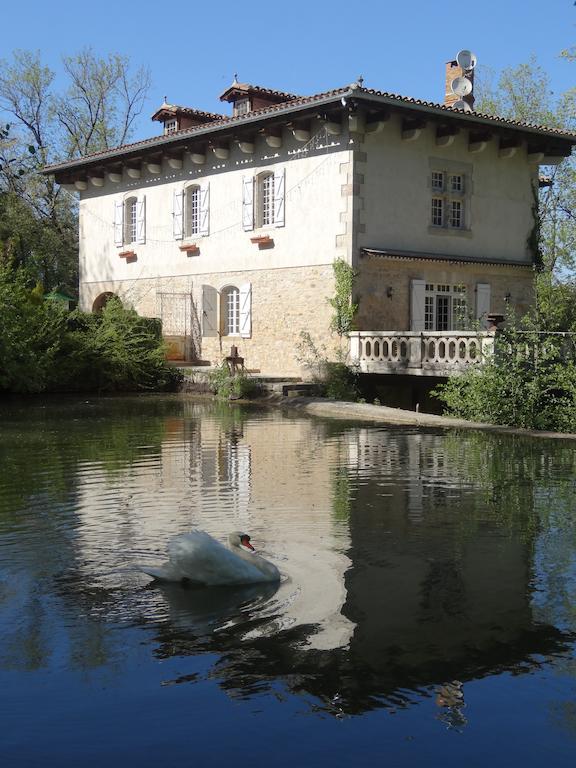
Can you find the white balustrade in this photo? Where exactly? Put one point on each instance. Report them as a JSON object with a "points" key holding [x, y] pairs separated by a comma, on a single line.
{"points": [[427, 353]]}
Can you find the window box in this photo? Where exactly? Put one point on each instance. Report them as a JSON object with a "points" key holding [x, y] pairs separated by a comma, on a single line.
{"points": [[128, 255], [190, 249], [263, 241]]}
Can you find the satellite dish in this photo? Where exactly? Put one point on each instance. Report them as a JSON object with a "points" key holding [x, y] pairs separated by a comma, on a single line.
{"points": [[466, 60], [461, 86], [461, 104]]}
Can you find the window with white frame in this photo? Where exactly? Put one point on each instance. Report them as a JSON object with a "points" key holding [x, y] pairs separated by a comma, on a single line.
{"points": [[230, 311], [448, 205], [265, 199], [192, 211], [171, 126], [445, 307], [130, 220]]}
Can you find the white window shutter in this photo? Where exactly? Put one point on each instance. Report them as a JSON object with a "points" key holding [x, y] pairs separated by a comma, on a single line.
{"points": [[482, 302], [279, 194], [209, 311], [205, 209], [246, 310], [417, 291], [141, 219], [248, 202], [178, 214], [119, 222]]}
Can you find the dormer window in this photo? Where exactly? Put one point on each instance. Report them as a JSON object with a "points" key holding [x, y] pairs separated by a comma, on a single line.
{"points": [[170, 126], [241, 107]]}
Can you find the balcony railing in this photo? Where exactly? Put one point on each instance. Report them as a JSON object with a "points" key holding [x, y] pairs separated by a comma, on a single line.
{"points": [[426, 353]]}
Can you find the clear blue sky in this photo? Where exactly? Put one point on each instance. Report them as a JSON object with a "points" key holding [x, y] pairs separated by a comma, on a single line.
{"points": [[193, 49]]}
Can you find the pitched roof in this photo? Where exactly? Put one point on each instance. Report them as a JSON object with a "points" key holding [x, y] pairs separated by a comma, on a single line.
{"points": [[258, 90], [175, 109], [368, 96]]}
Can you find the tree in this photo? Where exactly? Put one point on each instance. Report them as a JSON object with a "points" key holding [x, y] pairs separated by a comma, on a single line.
{"points": [[95, 111], [524, 93]]}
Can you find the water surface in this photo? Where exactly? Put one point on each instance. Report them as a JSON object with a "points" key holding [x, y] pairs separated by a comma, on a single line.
{"points": [[426, 610]]}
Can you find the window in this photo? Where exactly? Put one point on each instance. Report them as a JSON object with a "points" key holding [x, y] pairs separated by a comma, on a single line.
{"points": [[130, 220], [230, 303], [227, 312], [266, 199], [192, 206], [171, 126], [241, 107], [191, 211], [445, 307], [448, 200], [263, 200]]}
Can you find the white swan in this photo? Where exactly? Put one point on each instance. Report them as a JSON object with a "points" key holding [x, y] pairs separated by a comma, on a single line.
{"points": [[197, 558]]}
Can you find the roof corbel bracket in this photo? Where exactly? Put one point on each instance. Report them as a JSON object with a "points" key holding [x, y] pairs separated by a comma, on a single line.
{"points": [[81, 185], [115, 176], [247, 147], [272, 137], [134, 171], [154, 168], [378, 124], [508, 147], [445, 135], [300, 131], [97, 179], [412, 129], [221, 151], [478, 141], [174, 162]]}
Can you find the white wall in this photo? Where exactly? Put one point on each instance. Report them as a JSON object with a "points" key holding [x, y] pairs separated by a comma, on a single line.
{"points": [[312, 216], [397, 196]]}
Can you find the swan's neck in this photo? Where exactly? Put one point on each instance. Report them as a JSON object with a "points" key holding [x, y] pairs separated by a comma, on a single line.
{"points": [[249, 557]]}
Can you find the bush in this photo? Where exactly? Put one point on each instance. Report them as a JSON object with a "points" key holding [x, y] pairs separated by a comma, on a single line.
{"points": [[43, 347], [335, 379], [530, 382], [226, 386]]}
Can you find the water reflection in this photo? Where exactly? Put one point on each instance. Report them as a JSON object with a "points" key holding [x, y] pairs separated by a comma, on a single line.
{"points": [[410, 560]]}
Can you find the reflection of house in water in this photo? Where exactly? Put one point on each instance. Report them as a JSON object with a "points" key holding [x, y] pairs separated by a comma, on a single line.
{"points": [[434, 588]]}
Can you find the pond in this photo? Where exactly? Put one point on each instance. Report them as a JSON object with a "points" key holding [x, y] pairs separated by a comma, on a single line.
{"points": [[426, 612]]}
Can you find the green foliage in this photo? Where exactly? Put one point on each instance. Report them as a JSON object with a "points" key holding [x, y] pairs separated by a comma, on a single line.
{"points": [[334, 378], [226, 386], [525, 93], [530, 382], [344, 310], [43, 347], [556, 303], [93, 107]]}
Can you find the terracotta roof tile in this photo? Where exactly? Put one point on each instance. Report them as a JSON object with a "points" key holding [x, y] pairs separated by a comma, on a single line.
{"points": [[352, 91]]}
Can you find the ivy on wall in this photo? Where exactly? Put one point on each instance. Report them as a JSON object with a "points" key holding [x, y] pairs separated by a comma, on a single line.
{"points": [[344, 308]]}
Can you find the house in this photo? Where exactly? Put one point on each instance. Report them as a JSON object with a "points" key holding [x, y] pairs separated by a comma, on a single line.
{"points": [[227, 226]]}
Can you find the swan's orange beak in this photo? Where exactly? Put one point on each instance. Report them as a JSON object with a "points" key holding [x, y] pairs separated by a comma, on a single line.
{"points": [[246, 542]]}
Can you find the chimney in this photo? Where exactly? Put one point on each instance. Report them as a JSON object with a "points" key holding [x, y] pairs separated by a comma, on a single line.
{"points": [[454, 70]]}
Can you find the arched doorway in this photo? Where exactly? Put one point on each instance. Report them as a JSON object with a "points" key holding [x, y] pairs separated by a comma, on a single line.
{"points": [[101, 301]]}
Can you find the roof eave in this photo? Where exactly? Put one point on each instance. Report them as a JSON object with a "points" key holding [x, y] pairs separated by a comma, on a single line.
{"points": [[288, 109], [197, 132]]}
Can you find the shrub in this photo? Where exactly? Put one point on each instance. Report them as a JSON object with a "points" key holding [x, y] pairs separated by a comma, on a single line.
{"points": [[335, 379], [226, 386], [530, 382], [43, 347]]}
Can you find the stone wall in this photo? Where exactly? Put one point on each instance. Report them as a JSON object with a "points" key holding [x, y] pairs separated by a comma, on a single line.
{"points": [[285, 302], [378, 311]]}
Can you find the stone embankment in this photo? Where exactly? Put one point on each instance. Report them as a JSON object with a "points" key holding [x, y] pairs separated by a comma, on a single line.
{"points": [[386, 415]]}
